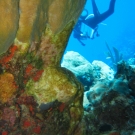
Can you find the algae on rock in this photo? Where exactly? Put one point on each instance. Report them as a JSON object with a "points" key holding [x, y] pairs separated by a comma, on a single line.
{"points": [[33, 31]]}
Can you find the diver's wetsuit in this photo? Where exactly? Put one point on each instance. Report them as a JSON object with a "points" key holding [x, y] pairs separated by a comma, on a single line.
{"points": [[92, 21], [78, 33], [98, 18]]}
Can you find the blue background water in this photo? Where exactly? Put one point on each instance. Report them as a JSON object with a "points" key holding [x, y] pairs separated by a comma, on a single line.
{"points": [[119, 32]]}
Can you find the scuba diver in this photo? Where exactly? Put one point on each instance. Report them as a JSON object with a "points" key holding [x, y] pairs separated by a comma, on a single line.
{"points": [[92, 21], [77, 29]]}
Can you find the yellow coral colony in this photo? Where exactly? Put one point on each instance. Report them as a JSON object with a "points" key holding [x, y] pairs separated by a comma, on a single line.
{"points": [[7, 87]]}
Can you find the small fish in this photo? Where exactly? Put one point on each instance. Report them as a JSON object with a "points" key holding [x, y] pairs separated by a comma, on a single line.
{"points": [[108, 58]]}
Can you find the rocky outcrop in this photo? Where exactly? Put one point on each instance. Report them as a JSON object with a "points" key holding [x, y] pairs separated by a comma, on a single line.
{"points": [[86, 72], [82, 69], [109, 105]]}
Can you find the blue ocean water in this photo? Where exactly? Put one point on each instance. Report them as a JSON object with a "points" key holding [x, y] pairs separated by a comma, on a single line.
{"points": [[118, 32]]}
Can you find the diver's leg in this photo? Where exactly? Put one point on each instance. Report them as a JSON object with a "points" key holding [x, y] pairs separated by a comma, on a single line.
{"points": [[106, 14], [95, 9]]}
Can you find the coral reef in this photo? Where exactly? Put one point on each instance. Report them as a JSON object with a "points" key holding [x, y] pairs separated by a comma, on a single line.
{"points": [[109, 101], [110, 105], [82, 69], [86, 72], [102, 71], [37, 96]]}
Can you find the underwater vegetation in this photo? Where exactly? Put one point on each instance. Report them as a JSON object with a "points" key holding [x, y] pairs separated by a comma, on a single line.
{"points": [[115, 56]]}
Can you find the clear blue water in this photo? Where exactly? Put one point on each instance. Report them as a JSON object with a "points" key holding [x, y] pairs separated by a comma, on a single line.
{"points": [[119, 32]]}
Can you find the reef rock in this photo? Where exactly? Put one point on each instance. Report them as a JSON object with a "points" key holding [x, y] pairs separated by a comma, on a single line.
{"points": [[36, 94], [76, 63], [102, 71], [79, 66], [110, 105], [87, 73]]}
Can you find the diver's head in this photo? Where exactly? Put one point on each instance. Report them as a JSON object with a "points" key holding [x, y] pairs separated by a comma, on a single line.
{"points": [[84, 14]]}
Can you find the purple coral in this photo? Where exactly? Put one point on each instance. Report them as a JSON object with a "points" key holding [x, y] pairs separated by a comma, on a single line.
{"points": [[9, 116]]}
